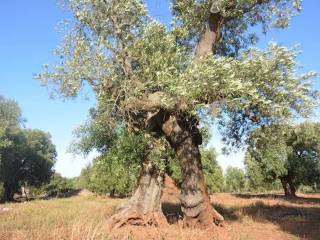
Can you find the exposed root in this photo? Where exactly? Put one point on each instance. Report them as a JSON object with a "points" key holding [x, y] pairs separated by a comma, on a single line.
{"points": [[218, 219], [144, 207], [132, 217]]}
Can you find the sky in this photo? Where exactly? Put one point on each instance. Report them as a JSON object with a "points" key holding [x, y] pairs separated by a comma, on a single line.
{"points": [[29, 36]]}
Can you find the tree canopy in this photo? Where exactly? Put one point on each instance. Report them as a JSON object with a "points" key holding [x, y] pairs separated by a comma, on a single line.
{"points": [[213, 175], [127, 57], [117, 169], [288, 153], [163, 80], [235, 179], [27, 156]]}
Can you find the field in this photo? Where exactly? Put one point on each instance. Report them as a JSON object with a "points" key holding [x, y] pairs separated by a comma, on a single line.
{"points": [[248, 217]]}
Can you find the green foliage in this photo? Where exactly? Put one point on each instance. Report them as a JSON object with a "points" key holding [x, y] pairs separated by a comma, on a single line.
{"points": [[125, 56], [213, 174], [304, 153], [10, 113], [96, 133], [191, 17], [257, 180], [315, 188], [128, 59], [28, 160], [266, 158], [40, 157], [58, 186], [10, 117], [174, 170], [116, 169], [285, 151], [83, 181], [235, 179], [27, 156]]}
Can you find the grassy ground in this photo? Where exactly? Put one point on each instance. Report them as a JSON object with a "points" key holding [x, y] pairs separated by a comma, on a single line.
{"points": [[248, 217]]}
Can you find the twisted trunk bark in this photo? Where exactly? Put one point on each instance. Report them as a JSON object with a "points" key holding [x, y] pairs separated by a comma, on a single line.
{"points": [[144, 207], [195, 201]]}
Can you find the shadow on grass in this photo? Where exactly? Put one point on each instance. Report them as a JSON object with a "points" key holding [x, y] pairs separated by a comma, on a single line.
{"points": [[298, 199], [303, 222]]}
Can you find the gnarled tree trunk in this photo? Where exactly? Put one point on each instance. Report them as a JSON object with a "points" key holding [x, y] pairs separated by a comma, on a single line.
{"points": [[144, 207], [288, 187], [195, 201], [181, 131]]}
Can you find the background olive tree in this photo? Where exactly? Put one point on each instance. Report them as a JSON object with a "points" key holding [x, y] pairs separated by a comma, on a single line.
{"points": [[27, 156], [287, 153], [235, 180]]}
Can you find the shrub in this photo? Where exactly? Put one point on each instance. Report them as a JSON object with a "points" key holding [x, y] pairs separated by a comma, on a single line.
{"points": [[58, 186]]}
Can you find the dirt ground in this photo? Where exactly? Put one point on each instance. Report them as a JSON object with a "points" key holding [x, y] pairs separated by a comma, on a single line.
{"points": [[248, 217]]}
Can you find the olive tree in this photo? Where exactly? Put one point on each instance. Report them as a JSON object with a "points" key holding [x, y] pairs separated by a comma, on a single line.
{"points": [[27, 156], [10, 121], [287, 153], [235, 179], [160, 80], [117, 169], [213, 175]]}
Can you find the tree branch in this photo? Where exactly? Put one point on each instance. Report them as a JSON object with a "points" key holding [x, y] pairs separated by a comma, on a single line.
{"points": [[213, 31], [210, 36]]}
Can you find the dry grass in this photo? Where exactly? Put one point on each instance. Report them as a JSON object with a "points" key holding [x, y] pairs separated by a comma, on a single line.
{"points": [[73, 218], [248, 217]]}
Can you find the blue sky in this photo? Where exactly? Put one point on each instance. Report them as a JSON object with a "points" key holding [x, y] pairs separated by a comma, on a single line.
{"points": [[28, 38]]}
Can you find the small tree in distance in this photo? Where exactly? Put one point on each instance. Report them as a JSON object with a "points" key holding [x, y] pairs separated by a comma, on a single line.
{"points": [[213, 175], [235, 179], [58, 186]]}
